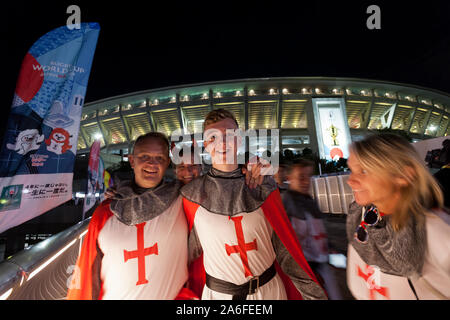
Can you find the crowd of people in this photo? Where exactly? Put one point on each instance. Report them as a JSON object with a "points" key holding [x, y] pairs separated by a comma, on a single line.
{"points": [[234, 233]]}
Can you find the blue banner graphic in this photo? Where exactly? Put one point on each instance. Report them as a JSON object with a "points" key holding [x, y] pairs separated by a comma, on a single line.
{"points": [[38, 151]]}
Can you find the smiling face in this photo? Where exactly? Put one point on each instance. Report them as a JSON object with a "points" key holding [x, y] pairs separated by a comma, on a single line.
{"points": [[28, 139], [222, 148], [149, 161], [186, 172], [59, 137], [370, 187]]}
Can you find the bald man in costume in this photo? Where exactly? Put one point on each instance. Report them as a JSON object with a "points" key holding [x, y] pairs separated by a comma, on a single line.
{"points": [[128, 252]]}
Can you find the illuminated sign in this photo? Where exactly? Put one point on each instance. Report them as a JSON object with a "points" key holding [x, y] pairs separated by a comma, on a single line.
{"points": [[333, 134]]}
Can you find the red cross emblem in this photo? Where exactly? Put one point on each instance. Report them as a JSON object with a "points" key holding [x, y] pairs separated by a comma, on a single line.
{"points": [[241, 247], [320, 236], [323, 244], [373, 287], [140, 253]]}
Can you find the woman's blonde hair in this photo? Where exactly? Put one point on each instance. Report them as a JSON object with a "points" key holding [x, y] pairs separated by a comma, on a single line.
{"points": [[393, 157]]}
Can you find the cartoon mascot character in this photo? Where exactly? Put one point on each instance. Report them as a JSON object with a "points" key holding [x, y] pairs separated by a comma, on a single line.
{"points": [[26, 141], [58, 141]]}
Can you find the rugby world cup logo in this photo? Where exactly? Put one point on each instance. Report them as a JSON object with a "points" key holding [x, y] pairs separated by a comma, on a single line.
{"points": [[11, 197], [372, 277], [374, 280]]}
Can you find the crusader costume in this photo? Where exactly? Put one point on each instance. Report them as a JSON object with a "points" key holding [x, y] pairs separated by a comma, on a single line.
{"points": [[306, 219], [241, 243], [128, 252]]}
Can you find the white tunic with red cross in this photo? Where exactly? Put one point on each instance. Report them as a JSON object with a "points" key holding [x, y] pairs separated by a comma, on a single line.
{"points": [[369, 283], [147, 260], [312, 236], [235, 249]]}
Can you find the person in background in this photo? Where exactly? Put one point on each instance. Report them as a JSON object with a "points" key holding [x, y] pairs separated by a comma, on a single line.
{"points": [[399, 247], [443, 175], [280, 178], [188, 167], [306, 219]]}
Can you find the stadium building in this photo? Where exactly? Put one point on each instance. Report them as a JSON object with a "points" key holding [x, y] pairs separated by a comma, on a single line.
{"points": [[291, 105]]}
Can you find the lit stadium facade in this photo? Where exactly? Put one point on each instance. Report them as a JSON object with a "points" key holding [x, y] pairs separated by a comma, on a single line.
{"points": [[287, 104]]}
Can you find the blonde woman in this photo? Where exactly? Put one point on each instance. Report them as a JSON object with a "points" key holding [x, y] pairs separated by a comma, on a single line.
{"points": [[399, 247]]}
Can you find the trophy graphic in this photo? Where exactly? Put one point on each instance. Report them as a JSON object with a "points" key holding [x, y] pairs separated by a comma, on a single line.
{"points": [[11, 197], [333, 131], [13, 191]]}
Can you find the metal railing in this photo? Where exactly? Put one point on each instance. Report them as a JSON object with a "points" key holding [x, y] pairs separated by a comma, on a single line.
{"points": [[332, 192], [41, 271]]}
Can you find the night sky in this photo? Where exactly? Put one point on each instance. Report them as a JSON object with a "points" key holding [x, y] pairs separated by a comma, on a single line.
{"points": [[156, 45]]}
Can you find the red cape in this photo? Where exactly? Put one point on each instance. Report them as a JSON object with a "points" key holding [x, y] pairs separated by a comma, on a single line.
{"points": [[82, 277], [276, 215]]}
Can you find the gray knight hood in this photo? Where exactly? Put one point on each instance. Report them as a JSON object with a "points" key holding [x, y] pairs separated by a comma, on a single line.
{"points": [[226, 192], [133, 205]]}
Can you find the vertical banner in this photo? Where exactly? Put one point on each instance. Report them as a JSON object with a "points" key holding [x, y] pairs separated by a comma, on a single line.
{"points": [[101, 180], [93, 176], [333, 133], [38, 150]]}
